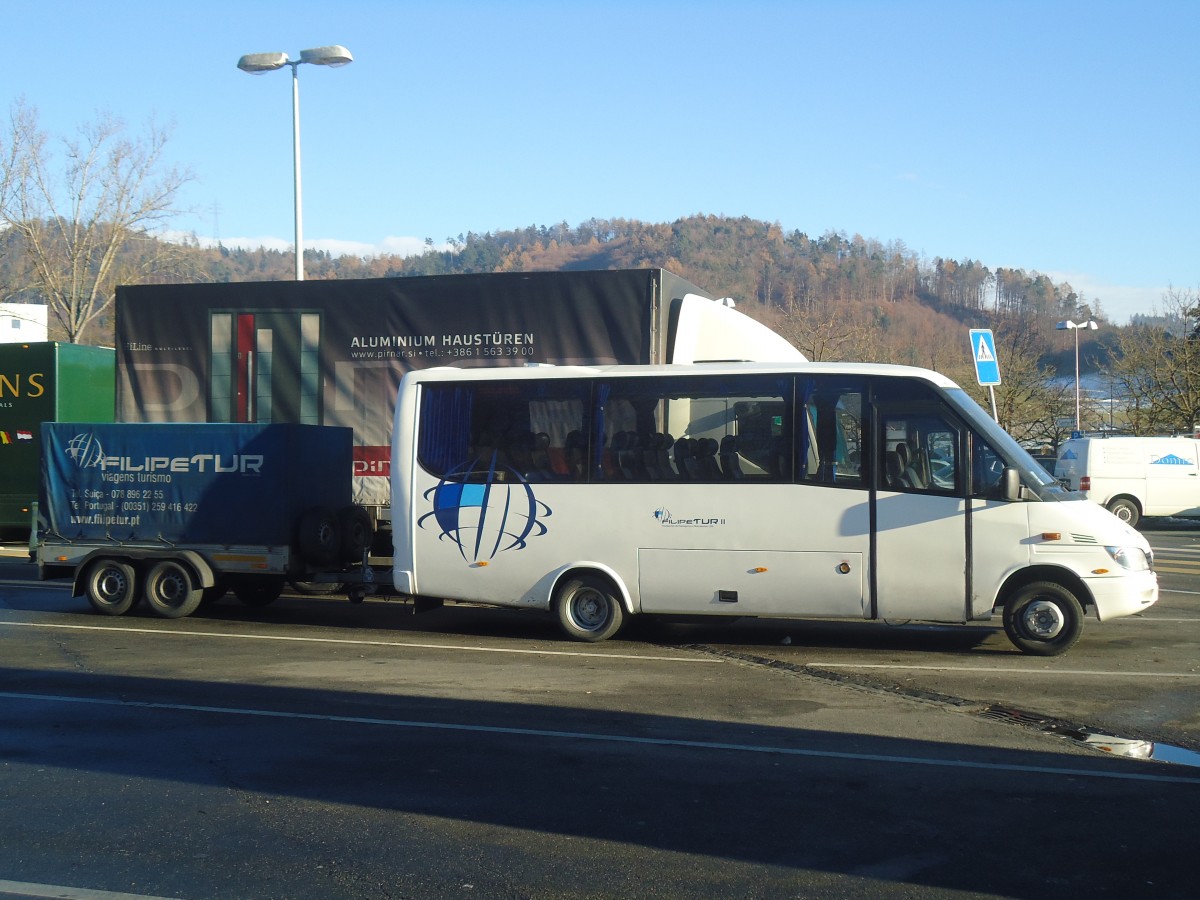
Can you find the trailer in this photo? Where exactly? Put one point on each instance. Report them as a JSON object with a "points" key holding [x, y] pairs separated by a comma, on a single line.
{"points": [[43, 381], [174, 514], [333, 352]]}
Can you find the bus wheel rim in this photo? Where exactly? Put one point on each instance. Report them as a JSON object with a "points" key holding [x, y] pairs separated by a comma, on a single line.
{"points": [[1043, 619]]}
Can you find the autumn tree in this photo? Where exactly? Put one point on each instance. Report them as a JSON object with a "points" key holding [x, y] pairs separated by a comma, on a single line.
{"points": [[81, 220]]}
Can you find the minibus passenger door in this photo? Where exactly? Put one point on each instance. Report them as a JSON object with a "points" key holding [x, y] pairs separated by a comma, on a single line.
{"points": [[920, 537]]}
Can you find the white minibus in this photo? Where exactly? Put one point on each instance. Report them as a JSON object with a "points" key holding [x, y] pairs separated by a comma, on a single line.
{"points": [[855, 491]]}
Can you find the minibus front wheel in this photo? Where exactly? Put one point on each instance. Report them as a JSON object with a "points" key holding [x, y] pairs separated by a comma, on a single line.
{"points": [[1043, 619], [588, 608]]}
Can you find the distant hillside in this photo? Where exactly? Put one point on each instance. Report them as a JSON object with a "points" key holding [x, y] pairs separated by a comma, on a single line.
{"points": [[835, 296]]}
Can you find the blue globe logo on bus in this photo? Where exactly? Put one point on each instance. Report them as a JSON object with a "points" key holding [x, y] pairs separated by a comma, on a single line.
{"points": [[485, 517]]}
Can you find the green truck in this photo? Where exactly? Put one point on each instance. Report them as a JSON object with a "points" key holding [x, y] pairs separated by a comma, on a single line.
{"points": [[44, 382]]}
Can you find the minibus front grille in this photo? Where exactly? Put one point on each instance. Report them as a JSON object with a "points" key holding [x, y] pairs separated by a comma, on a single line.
{"points": [[1084, 539]]}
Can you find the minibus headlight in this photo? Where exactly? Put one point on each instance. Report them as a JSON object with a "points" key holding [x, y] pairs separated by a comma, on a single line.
{"points": [[1135, 559]]}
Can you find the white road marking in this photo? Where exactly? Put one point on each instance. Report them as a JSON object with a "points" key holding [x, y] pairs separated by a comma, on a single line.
{"points": [[999, 670], [118, 629], [27, 889], [611, 738]]}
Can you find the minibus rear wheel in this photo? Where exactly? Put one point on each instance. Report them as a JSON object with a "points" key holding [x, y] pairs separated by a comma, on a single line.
{"points": [[589, 609], [1043, 619]]}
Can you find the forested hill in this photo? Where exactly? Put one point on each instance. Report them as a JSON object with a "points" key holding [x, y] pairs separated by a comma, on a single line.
{"points": [[835, 296], [747, 259]]}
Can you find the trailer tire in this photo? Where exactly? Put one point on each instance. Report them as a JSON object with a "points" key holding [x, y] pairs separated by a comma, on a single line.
{"points": [[1126, 510], [260, 592], [319, 537], [1043, 619], [355, 525], [111, 587], [171, 590], [589, 609]]}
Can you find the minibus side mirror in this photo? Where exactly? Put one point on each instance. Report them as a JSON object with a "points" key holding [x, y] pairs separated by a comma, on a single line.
{"points": [[1010, 484]]}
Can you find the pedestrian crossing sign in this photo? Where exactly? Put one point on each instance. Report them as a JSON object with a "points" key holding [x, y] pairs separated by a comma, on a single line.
{"points": [[983, 350]]}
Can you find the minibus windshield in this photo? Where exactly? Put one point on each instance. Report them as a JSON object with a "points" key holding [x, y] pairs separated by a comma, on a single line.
{"points": [[1033, 475]]}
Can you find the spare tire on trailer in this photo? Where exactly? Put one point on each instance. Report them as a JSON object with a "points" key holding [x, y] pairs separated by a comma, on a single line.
{"points": [[355, 525], [319, 537]]}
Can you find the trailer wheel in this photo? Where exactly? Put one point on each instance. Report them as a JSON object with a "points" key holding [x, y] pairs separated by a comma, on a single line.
{"points": [[1043, 619], [111, 587], [355, 525], [319, 538], [1125, 510], [171, 590], [260, 592], [589, 609]]}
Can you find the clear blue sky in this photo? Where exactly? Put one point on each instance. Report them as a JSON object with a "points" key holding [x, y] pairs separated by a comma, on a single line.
{"points": [[1059, 137]]}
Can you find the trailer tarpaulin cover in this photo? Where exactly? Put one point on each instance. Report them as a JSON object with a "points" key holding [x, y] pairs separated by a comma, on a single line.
{"points": [[333, 352], [207, 484]]}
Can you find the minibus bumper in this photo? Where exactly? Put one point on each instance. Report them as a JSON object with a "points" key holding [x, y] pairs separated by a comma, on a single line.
{"points": [[1123, 596]]}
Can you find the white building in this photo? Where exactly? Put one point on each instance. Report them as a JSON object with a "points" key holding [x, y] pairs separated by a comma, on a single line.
{"points": [[23, 322]]}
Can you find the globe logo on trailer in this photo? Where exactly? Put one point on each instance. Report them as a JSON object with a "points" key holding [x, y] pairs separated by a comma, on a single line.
{"points": [[85, 451], [484, 518]]}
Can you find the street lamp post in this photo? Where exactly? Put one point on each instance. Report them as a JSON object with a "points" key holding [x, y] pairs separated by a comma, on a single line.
{"points": [[257, 63], [1089, 325]]}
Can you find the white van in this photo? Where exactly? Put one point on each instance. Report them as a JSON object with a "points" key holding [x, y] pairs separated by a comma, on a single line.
{"points": [[1134, 476], [743, 489]]}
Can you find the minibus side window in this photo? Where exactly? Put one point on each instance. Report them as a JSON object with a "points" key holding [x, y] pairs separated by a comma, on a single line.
{"points": [[986, 468], [829, 437], [532, 431], [699, 428], [919, 452]]}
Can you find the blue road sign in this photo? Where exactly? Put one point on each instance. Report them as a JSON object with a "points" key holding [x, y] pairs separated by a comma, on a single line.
{"points": [[983, 350]]}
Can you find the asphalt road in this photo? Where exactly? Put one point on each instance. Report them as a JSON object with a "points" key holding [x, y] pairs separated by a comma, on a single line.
{"points": [[317, 748]]}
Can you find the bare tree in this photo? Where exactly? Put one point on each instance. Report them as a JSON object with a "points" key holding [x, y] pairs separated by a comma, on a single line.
{"points": [[1157, 367], [85, 227], [828, 332]]}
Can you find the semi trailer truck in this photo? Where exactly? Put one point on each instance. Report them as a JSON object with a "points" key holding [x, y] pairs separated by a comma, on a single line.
{"points": [[333, 352]]}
